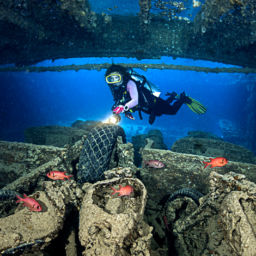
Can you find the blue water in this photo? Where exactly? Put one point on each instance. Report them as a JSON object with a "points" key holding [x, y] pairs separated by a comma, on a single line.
{"points": [[131, 8], [60, 98]]}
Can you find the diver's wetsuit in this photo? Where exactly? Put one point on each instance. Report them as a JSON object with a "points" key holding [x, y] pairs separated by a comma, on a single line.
{"points": [[158, 106], [133, 92], [143, 100], [163, 106]]}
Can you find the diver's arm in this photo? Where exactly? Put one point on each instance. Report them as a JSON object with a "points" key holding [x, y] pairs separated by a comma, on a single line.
{"points": [[133, 91]]}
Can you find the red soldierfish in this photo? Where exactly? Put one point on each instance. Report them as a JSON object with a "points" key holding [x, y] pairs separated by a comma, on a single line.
{"points": [[216, 162], [154, 164], [31, 203], [123, 191], [57, 175]]}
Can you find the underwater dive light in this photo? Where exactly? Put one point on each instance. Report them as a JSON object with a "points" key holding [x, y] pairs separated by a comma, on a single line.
{"points": [[113, 119]]}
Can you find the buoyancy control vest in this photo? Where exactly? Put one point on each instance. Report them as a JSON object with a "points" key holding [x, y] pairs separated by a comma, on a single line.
{"points": [[143, 82], [148, 92]]}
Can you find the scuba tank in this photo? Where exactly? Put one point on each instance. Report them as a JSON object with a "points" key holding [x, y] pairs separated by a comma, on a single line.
{"points": [[144, 82]]}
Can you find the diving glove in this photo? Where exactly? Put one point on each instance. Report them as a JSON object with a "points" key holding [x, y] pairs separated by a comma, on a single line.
{"points": [[120, 109]]}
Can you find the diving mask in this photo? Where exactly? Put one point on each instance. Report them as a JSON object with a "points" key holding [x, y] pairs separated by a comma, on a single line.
{"points": [[114, 78]]}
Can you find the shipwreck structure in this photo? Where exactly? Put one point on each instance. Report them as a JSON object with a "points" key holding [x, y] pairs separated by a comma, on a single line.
{"points": [[222, 31], [205, 212]]}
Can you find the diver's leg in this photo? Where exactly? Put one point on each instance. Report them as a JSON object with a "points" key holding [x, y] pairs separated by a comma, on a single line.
{"points": [[163, 106], [152, 117], [174, 108], [171, 97]]}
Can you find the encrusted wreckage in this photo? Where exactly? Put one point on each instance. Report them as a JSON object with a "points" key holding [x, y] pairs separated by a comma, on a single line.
{"points": [[128, 225], [222, 31], [111, 225], [224, 223]]}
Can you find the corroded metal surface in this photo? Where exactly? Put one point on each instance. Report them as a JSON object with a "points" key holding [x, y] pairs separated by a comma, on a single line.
{"points": [[100, 212], [144, 67], [224, 222], [223, 31]]}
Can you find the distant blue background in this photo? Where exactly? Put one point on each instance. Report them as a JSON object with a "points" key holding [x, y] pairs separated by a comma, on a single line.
{"points": [[60, 98], [131, 8]]}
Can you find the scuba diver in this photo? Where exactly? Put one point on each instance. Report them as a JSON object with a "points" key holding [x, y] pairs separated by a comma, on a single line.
{"points": [[132, 92]]}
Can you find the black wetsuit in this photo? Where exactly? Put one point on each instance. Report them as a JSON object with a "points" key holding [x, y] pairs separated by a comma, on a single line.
{"points": [[156, 106]]}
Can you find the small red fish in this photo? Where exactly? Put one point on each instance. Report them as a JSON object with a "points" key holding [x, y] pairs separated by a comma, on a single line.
{"points": [[154, 164], [57, 175], [29, 202], [216, 162], [123, 191]]}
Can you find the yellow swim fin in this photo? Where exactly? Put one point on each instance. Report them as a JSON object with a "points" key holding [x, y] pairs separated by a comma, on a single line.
{"points": [[196, 106]]}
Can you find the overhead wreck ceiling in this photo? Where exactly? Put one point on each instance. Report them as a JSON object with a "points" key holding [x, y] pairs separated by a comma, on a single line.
{"points": [[217, 30]]}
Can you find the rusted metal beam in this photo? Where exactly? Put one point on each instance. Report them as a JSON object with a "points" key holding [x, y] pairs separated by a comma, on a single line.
{"points": [[144, 67]]}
